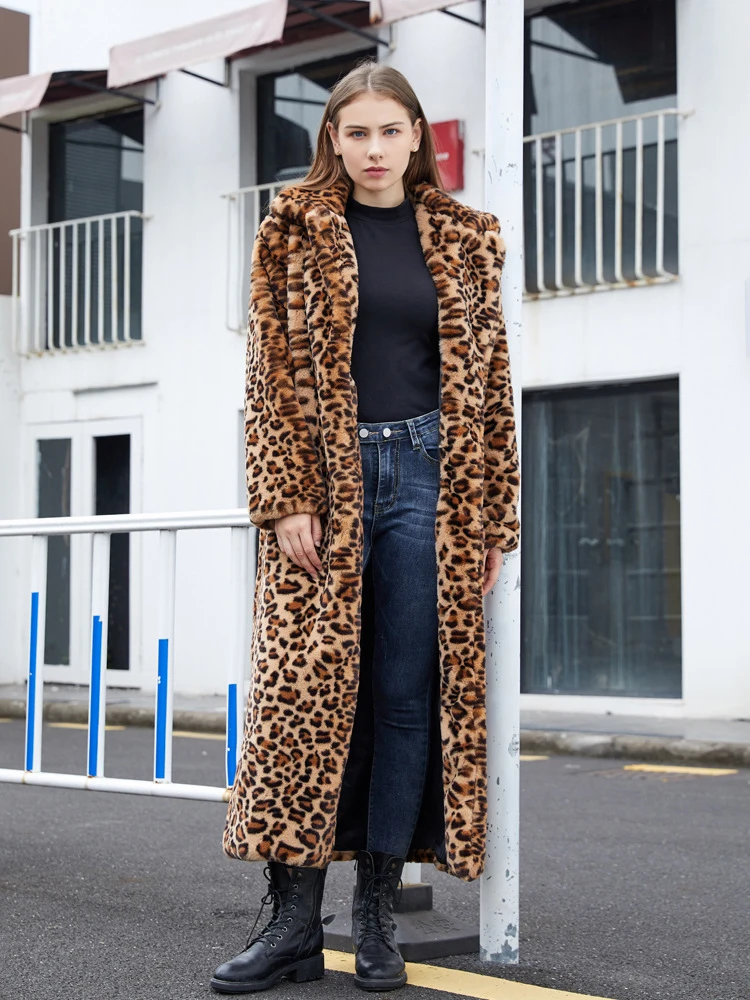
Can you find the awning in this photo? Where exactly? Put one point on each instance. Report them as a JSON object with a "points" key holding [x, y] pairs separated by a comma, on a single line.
{"points": [[387, 11], [22, 93], [262, 23], [215, 38]]}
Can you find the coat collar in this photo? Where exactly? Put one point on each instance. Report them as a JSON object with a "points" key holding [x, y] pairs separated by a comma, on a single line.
{"points": [[304, 206]]}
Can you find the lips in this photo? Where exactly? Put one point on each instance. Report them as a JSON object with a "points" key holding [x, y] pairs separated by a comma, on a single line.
{"points": [[375, 171]]}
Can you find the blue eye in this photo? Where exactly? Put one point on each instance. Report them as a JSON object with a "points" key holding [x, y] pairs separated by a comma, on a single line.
{"points": [[393, 131]]}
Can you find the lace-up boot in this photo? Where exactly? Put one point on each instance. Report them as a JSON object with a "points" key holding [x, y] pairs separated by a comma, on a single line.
{"points": [[291, 943], [378, 962]]}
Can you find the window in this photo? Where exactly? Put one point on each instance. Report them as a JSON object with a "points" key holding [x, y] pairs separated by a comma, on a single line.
{"points": [[601, 558], [605, 208], [53, 500], [95, 172]]}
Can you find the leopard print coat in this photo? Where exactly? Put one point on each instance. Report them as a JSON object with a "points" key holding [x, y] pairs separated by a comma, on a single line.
{"points": [[297, 797]]}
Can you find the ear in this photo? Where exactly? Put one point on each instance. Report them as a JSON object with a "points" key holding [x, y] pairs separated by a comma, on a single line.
{"points": [[416, 130], [332, 133]]}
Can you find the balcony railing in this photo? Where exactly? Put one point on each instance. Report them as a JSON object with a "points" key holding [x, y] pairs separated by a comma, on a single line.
{"points": [[600, 211], [601, 205], [77, 284], [245, 210]]}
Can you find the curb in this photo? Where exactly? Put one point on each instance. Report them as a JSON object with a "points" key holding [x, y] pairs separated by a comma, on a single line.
{"points": [[656, 749], [117, 715]]}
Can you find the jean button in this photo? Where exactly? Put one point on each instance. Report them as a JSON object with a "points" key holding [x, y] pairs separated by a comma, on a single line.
{"points": [[363, 432], [386, 432]]}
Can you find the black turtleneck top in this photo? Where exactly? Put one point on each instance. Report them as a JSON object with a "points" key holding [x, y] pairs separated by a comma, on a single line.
{"points": [[395, 353]]}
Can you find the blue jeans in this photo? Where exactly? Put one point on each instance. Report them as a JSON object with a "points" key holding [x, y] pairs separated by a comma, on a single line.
{"points": [[401, 477]]}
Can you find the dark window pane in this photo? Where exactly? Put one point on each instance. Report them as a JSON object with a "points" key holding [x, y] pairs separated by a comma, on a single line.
{"points": [[601, 556], [592, 61], [53, 500], [113, 497], [96, 168]]}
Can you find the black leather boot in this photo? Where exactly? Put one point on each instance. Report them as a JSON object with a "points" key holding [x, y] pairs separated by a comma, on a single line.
{"points": [[378, 962], [291, 943]]}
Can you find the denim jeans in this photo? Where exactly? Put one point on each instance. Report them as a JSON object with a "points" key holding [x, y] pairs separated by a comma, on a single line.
{"points": [[401, 477]]}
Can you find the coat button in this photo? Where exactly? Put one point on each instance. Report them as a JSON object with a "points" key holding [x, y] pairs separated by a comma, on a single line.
{"points": [[386, 432], [363, 432]]}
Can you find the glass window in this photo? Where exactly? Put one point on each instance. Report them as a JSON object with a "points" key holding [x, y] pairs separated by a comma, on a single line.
{"points": [[53, 500], [112, 496], [95, 169], [599, 59], [586, 63], [601, 553]]}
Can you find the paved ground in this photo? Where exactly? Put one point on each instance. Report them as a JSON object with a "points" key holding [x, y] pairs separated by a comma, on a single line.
{"points": [[634, 884]]}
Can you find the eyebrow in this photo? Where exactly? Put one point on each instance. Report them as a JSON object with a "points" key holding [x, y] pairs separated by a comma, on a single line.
{"points": [[389, 125]]}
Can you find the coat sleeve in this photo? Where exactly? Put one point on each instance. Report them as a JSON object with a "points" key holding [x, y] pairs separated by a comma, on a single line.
{"points": [[282, 466], [501, 465]]}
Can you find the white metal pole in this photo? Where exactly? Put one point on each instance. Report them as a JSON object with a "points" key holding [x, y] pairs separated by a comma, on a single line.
{"points": [[239, 651], [35, 689], [99, 630], [498, 936], [164, 706]]}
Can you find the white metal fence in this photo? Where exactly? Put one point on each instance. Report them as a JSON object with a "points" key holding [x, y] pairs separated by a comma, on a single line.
{"points": [[102, 528], [601, 205], [77, 284], [245, 211]]}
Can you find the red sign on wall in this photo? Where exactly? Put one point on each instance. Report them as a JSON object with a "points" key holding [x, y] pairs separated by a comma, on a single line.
{"points": [[449, 142]]}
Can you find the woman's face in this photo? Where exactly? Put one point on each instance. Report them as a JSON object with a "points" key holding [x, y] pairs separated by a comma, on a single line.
{"points": [[376, 139]]}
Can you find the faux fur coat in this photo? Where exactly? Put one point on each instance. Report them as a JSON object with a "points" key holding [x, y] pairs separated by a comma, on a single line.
{"points": [[301, 787]]}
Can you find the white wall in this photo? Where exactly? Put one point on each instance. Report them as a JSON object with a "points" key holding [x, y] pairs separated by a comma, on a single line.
{"points": [[194, 366], [443, 59], [714, 152], [12, 609], [695, 328]]}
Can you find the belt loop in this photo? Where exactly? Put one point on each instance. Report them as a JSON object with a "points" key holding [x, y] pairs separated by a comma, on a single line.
{"points": [[413, 434]]}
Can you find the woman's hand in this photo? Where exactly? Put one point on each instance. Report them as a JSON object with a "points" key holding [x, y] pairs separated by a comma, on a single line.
{"points": [[298, 536], [493, 563]]}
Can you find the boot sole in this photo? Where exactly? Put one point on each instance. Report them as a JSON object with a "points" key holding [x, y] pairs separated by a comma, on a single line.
{"points": [[376, 985], [303, 971]]}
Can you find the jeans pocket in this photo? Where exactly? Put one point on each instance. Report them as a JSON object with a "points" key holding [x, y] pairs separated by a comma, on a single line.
{"points": [[429, 445]]}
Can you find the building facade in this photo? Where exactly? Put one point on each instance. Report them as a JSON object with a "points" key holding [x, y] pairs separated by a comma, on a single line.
{"points": [[122, 336]]}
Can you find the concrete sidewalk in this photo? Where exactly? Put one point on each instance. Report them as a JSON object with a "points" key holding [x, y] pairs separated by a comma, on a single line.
{"points": [[683, 741]]}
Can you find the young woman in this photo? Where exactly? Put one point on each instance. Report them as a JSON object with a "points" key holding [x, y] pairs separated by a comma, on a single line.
{"points": [[382, 472]]}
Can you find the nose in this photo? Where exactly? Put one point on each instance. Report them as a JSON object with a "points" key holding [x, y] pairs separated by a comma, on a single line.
{"points": [[374, 151]]}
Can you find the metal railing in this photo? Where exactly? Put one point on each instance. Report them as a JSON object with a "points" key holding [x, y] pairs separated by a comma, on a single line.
{"points": [[245, 210], [601, 205], [77, 284], [102, 527]]}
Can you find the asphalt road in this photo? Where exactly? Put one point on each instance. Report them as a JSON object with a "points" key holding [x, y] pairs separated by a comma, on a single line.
{"points": [[634, 886]]}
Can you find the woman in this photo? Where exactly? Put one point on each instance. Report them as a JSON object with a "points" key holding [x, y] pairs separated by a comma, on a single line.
{"points": [[382, 472]]}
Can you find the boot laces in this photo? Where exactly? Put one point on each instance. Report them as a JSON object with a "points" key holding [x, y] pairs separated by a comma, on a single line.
{"points": [[374, 914], [279, 923]]}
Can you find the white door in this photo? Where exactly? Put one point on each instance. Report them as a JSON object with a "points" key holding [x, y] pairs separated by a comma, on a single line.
{"points": [[84, 468]]}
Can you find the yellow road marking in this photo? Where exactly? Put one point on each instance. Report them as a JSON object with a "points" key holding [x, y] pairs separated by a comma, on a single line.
{"points": [[466, 984], [81, 725], [534, 756], [674, 769], [7, 720], [200, 736]]}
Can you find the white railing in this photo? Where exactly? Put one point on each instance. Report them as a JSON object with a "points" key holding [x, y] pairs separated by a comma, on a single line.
{"points": [[245, 210], [102, 527], [77, 284], [601, 205]]}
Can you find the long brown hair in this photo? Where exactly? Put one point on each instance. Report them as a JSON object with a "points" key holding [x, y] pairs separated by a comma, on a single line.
{"points": [[372, 77]]}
